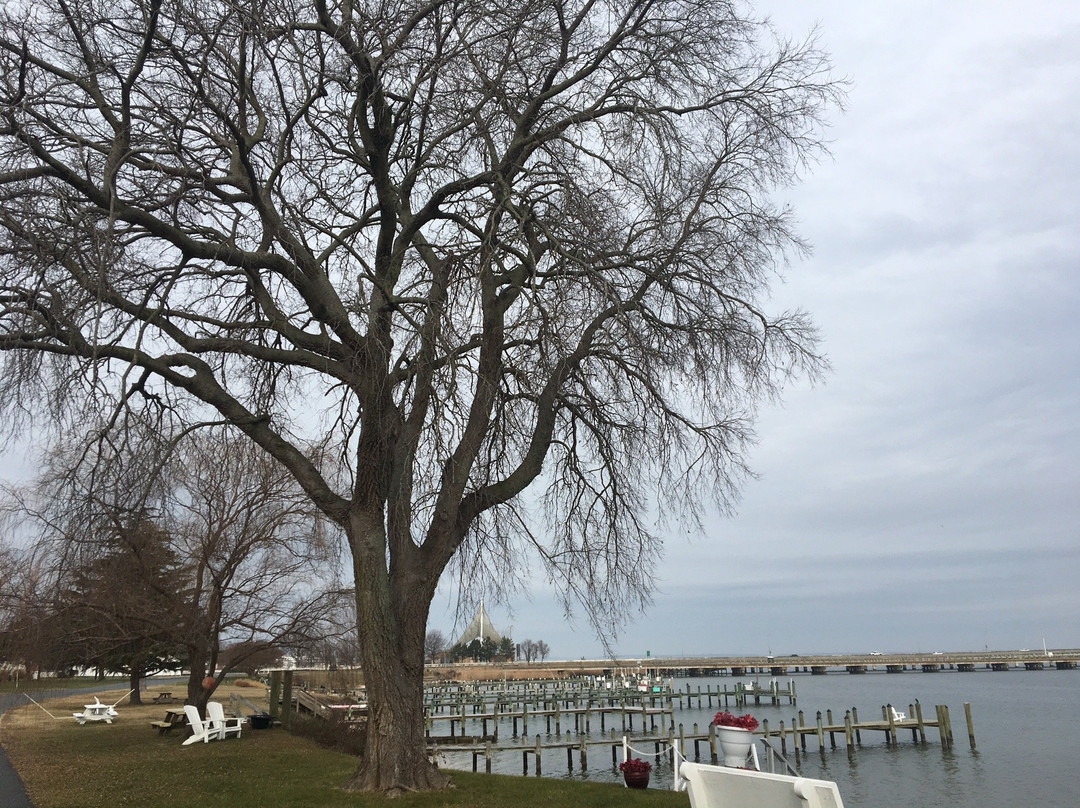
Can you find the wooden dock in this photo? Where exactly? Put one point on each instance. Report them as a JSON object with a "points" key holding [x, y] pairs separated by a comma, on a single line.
{"points": [[851, 728], [578, 709], [702, 745], [580, 715], [579, 704], [742, 694]]}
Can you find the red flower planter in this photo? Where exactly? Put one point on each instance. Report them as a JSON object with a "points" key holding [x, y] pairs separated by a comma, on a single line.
{"points": [[635, 772], [636, 779]]}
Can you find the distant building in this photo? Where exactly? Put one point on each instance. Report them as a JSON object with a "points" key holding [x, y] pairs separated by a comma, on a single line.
{"points": [[480, 629]]}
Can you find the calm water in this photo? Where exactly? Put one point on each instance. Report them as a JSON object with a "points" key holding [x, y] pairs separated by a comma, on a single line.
{"points": [[1027, 732]]}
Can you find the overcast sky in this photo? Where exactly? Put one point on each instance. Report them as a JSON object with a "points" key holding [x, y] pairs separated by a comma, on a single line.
{"points": [[927, 496]]}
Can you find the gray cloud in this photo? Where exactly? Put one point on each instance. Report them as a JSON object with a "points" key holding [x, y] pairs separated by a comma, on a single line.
{"points": [[928, 494]]}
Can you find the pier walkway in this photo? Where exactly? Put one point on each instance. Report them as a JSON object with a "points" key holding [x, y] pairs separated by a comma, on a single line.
{"points": [[820, 664], [702, 745], [578, 703]]}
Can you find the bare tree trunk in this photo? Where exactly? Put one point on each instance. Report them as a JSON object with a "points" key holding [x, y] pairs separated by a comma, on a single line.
{"points": [[135, 680], [391, 617], [196, 693], [395, 756]]}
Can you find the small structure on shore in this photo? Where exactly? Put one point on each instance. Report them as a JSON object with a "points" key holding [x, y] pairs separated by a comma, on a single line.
{"points": [[480, 629]]}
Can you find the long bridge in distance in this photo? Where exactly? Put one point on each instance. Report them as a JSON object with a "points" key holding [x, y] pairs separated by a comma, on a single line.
{"points": [[963, 661]]}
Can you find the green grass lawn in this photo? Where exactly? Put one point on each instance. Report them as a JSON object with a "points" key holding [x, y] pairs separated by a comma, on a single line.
{"points": [[65, 765]]}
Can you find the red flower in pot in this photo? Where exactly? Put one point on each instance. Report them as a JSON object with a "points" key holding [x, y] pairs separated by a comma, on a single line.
{"points": [[636, 772], [747, 722]]}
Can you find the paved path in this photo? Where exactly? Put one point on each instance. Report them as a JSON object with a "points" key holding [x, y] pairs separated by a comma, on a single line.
{"points": [[12, 792]]}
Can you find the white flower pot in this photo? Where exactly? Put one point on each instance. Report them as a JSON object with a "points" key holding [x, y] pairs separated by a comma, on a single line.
{"points": [[734, 744]]}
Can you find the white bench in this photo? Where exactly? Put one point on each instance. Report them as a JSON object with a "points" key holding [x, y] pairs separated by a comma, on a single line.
{"points": [[724, 787]]}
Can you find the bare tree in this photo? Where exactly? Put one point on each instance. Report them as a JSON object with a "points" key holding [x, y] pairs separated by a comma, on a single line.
{"points": [[542, 650], [250, 657], [434, 645], [180, 547], [9, 599], [470, 246], [262, 569], [30, 636]]}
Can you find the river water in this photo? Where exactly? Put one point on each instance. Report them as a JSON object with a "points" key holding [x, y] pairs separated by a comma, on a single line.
{"points": [[1027, 733]]}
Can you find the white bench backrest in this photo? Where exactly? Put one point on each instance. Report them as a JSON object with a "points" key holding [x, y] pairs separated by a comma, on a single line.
{"points": [[724, 787]]}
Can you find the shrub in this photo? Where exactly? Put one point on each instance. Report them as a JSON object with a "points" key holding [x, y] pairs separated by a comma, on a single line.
{"points": [[336, 732]]}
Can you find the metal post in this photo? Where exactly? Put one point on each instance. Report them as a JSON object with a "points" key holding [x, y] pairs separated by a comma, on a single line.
{"points": [[286, 700], [275, 694]]}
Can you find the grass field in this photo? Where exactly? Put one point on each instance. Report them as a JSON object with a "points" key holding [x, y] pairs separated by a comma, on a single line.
{"points": [[65, 765]]}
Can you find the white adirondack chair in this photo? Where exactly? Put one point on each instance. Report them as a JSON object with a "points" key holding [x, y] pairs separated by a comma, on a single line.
{"points": [[725, 787], [220, 724], [201, 730]]}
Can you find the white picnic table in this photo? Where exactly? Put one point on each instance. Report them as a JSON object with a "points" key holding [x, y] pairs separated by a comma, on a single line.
{"points": [[96, 712]]}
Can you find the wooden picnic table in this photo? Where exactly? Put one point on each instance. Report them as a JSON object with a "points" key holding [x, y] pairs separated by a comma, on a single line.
{"points": [[173, 720], [164, 697]]}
